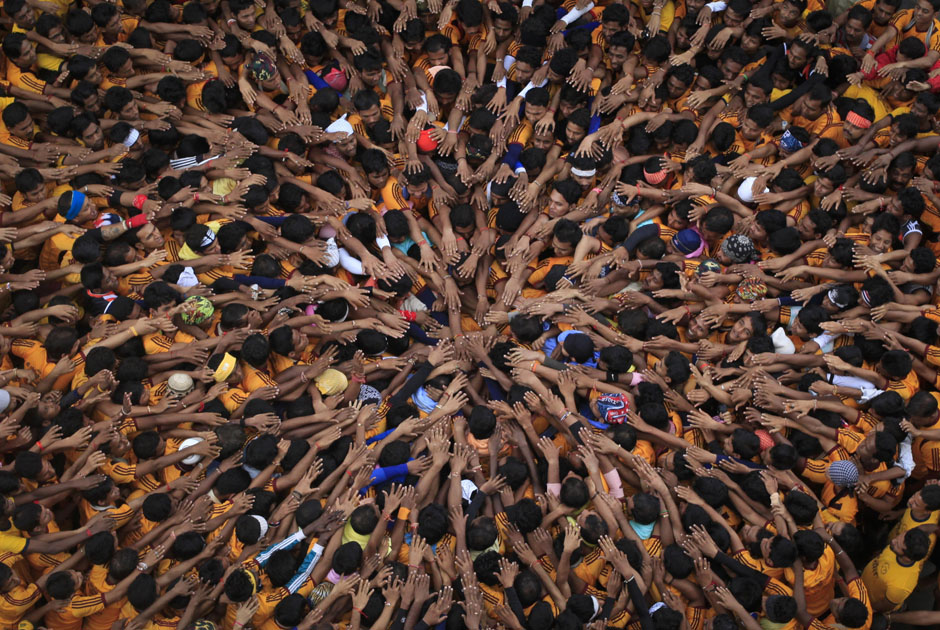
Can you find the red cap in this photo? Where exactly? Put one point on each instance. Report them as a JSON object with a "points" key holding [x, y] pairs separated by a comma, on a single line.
{"points": [[336, 79], [426, 144]]}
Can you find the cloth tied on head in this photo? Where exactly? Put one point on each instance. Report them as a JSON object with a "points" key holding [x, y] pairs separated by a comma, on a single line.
{"points": [[197, 310], [131, 138], [577, 172], [331, 382], [843, 473], [858, 120], [261, 67], [263, 523], [187, 278], [208, 238], [654, 178], [766, 441], [78, 200], [613, 408], [107, 218], [738, 248], [789, 142], [750, 289], [837, 301], [336, 79], [340, 125], [225, 369], [688, 242]]}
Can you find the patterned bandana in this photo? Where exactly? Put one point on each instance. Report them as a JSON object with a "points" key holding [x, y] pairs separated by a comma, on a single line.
{"points": [[261, 67], [738, 248]]}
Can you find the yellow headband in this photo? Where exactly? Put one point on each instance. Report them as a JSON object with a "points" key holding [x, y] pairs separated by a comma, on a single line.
{"points": [[225, 369], [251, 576]]}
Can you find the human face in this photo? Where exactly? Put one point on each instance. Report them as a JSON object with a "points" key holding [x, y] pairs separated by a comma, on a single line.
{"points": [[898, 178], [880, 242], [757, 232], [799, 329], [574, 133], [618, 56], [377, 180], [524, 72], [93, 137], [27, 56], [25, 18], [750, 44], [543, 141], [584, 182], [675, 87], [675, 221], [347, 146], [371, 115], [35, 195], [57, 35], [697, 329], [24, 129], [750, 129], [797, 58], [130, 111], [853, 31], [565, 108], [730, 69], [733, 19], [753, 95], [882, 13], [923, 15], [811, 109], [90, 37], [683, 39], [655, 104], [741, 330], [501, 29], [610, 29], [852, 133], [561, 248], [897, 545], [246, 18], [150, 237], [806, 228], [557, 206], [787, 15], [654, 281], [534, 112], [371, 77], [823, 186], [113, 25]]}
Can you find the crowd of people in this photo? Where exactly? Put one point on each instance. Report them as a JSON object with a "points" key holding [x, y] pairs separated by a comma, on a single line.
{"points": [[399, 314]]}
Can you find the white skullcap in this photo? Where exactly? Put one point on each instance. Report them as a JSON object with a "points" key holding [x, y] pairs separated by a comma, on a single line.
{"points": [[340, 125], [782, 343], [746, 190]]}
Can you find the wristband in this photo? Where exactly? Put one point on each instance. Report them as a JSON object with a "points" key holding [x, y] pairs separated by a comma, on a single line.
{"points": [[137, 220], [139, 201], [39, 444], [614, 485]]}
